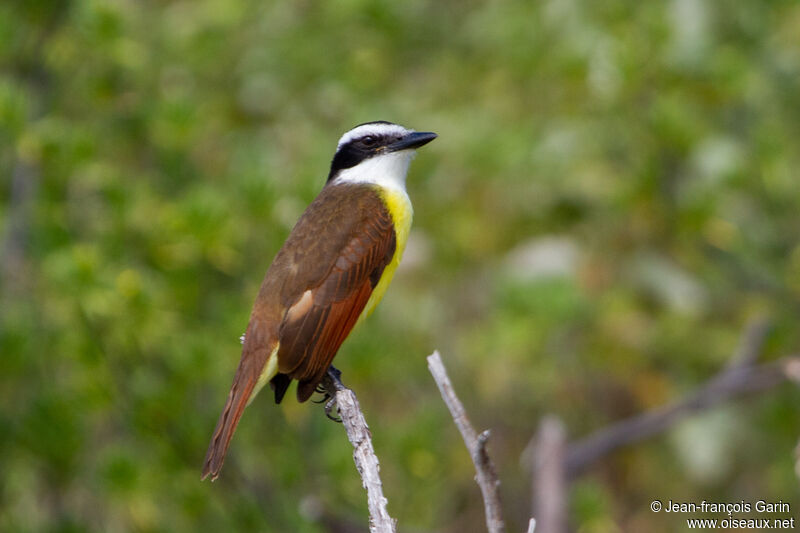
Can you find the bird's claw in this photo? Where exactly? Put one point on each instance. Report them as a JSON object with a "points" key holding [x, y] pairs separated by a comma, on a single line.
{"points": [[331, 382], [329, 408], [326, 396]]}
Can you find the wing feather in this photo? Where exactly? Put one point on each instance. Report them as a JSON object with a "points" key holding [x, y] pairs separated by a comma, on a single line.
{"points": [[308, 345]]}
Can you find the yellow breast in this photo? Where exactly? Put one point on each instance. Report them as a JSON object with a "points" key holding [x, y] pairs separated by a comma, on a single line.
{"points": [[399, 207]]}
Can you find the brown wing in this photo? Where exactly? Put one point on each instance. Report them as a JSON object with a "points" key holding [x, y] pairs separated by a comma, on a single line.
{"points": [[310, 299], [315, 326]]}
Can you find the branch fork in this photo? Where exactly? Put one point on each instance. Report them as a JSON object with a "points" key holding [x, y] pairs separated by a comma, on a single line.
{"points": [[476, 444]]}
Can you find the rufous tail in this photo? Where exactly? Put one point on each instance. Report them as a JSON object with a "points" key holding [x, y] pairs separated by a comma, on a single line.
{"points": [[242, 389]]}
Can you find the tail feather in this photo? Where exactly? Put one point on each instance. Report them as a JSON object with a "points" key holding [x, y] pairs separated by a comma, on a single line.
{"points": [[250, 377], [228, 420]]}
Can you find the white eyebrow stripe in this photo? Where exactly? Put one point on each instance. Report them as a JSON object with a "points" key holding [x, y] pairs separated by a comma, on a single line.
{"points": [[372, 129]]}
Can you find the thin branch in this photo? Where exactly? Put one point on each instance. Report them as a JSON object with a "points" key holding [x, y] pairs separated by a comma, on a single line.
{"points": [[730, 384], [476, 444], [751, 343], [363, 453], [742, 376], [549, 479]]}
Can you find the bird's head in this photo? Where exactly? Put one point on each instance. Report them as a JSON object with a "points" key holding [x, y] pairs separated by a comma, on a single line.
{"points": [[378, 145]]}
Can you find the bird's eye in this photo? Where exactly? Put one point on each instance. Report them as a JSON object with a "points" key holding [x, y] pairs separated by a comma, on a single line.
{"points": [[369, 140]]}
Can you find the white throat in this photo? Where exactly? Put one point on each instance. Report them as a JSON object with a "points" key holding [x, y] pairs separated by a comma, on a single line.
{"points": [[385, 170]]}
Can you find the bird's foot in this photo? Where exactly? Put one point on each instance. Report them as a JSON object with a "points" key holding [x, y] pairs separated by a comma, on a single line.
{"points": [[330, 404], [329, 407], [330, 382], [325, 396], [335, 376]]}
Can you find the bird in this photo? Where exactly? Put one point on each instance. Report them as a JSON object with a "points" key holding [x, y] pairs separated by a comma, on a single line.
{"points": [[331, 272]]}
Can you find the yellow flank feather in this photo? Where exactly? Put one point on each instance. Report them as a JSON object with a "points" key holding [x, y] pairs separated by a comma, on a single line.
{"points": [[399, 206], [269, 372]]}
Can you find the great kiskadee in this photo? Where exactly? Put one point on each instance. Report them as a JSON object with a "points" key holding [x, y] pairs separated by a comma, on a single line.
{"points": [[330, 273]]}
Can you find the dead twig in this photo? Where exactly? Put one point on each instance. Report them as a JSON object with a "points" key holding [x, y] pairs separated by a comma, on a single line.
{"points": [[740, 377], [750, 343], [363, 453], [476, 444], [549, 479]]}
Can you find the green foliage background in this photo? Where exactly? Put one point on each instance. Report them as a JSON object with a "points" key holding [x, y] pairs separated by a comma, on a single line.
{"points": [[613, 195]]}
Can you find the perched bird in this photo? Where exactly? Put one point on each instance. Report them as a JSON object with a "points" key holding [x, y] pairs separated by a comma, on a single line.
{"points": [[330, 273]]}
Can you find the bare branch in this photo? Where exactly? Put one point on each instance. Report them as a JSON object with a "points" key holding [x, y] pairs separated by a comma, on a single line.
{"points": [[363, 453], [739, 378], [751, 342], [476, 444], [549, 479]]}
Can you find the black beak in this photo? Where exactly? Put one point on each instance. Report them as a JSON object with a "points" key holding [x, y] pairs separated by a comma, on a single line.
{"points": [[411, 141]]}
